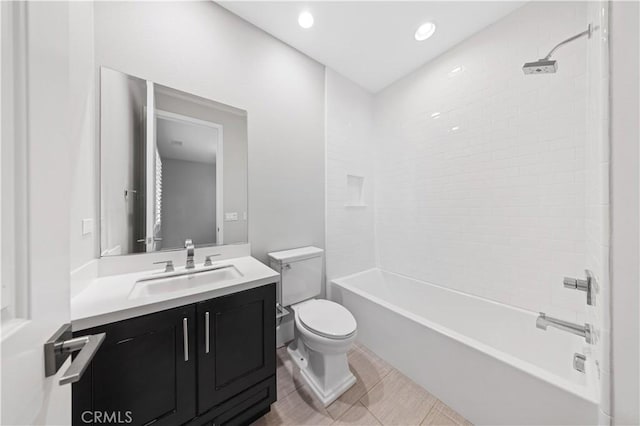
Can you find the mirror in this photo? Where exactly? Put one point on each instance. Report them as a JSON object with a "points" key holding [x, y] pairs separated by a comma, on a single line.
{"points": [[173, 166]]}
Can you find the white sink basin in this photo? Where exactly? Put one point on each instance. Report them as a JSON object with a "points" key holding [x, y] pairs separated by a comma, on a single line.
{"points": [[178, 281]]}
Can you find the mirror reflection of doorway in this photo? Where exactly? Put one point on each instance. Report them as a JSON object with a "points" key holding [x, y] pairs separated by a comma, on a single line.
{"points": [[188, 177], [145, 128]]}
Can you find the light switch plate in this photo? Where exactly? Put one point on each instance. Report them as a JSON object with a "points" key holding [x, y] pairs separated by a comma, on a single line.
{"points": [[87, 226], [230, 217]]}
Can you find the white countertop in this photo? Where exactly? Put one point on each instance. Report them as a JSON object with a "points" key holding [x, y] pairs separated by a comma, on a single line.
{"points": [[106, 299]]}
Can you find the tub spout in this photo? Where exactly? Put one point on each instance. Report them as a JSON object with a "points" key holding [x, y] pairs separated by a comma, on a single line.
{"points": [[543, 321]]}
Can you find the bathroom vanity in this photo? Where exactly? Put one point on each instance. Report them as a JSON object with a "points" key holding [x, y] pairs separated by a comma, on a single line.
{"points": [[193, 343], [184, 354]]}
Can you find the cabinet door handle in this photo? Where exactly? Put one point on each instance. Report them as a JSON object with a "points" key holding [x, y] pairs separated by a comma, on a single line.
{"points": [[206, 333], [185, 334]]}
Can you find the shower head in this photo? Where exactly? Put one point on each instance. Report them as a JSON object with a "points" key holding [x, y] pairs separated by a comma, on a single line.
{"points": [[548, 66], [542, 66]]}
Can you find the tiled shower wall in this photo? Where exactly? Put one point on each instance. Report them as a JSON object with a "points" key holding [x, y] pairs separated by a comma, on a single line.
{"points": [[480, 180], [350, 228]]}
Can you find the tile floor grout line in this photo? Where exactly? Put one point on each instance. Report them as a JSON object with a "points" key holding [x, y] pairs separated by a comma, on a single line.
{"points": [[433, 407], [363, 406], [359, 400], [373, 386], [350, 406], [374, 416], [370, 389], [296, 388], [288, 393]]}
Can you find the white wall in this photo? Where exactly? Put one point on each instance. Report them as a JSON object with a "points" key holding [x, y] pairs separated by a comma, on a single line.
{"points": [[186, 186], [84, 150], [597, 155], [489, 197], [625, 211], [350, 150], [200, 48]]}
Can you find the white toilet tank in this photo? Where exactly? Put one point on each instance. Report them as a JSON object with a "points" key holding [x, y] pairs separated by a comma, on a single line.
{"points": [[300, 273]]}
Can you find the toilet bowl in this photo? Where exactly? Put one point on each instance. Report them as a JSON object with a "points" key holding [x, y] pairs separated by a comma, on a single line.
{"points": [[324, 333]]}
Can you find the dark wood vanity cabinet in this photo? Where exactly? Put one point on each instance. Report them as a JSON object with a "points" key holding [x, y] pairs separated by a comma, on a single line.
{"points": [[237, 348], [207, 363], [144, 371]]}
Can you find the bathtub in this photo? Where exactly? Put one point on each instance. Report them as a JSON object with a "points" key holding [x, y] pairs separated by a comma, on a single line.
{"points": [[486, 360]]}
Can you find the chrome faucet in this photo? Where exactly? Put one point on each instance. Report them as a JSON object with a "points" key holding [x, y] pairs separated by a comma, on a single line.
{"points": [[585, 331], [188, 244]]}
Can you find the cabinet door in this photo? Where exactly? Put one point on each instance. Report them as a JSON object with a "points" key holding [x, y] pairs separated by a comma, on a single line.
{"points": [[236, 344], [144, 372]]}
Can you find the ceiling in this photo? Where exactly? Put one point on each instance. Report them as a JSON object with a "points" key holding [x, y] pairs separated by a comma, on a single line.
{"points": [[180, 140], [372, 43]]}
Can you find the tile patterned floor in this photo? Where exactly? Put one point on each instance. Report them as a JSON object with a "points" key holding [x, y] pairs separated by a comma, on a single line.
{"points": [[381, 396]]}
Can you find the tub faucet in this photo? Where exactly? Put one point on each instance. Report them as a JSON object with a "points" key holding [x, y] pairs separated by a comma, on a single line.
{"points": [[188, 244], [585, 331]]}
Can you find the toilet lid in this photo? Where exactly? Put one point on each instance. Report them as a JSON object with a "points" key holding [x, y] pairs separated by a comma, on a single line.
{"points": [[327, 319]]}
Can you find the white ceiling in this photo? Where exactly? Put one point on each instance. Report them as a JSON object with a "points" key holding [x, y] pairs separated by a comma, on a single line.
{"points": [[179, 140], [372, 43]]}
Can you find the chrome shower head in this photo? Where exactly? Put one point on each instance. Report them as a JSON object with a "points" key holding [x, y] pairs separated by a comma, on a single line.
{"points": [[547, 65], [542, 66]]}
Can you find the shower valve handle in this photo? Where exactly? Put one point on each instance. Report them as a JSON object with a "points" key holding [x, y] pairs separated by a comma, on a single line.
{"points": [[589, 286]]}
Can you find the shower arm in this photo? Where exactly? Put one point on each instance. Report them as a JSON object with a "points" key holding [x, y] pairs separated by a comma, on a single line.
{"points": [[586, 32]]}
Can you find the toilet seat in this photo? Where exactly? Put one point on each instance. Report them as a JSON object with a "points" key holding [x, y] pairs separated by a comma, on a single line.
{"points": [[327, 319]]}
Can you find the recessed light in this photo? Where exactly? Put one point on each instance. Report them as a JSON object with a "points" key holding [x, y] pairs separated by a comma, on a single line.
{"points": [[425, 31], [455, 128], [305, 19], [435, 115]]}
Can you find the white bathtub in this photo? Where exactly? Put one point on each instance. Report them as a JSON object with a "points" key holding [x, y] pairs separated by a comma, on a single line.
{"points": [[486, 360]]}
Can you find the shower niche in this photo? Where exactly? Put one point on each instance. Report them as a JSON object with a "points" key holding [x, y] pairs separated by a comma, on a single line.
{"points": [[355, 191]]}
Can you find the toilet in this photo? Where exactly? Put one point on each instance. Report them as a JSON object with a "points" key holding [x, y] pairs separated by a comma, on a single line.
{"points": [[324, 331]]}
